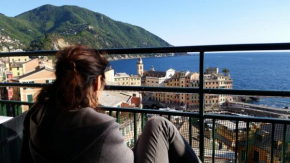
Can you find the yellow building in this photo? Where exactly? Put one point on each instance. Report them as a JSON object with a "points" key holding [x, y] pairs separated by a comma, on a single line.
{"points": [[16, 69], [15, 65], [18, 59], [127, 80]]}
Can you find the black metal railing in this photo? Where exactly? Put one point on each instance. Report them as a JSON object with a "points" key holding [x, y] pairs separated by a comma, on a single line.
{"points": [[196, 120]]}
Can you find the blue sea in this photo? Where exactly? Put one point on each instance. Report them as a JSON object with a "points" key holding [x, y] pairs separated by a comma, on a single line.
{"points": [[249, 70]]}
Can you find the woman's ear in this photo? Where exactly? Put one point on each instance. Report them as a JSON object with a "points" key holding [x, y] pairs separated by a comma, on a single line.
{"points": [[98, 83]]}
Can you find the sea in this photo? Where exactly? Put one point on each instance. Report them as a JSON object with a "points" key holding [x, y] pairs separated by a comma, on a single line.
{"points": [[249, 70]]}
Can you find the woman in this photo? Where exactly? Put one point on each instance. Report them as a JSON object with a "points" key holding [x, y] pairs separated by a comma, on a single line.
{"points": [[63, 125]]}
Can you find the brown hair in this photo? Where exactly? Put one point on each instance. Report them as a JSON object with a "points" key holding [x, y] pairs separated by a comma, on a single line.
{"points": [[77, 69]]}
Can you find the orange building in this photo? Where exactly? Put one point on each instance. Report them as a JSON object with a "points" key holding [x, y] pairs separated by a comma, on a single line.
{"points": [[40, 75]]}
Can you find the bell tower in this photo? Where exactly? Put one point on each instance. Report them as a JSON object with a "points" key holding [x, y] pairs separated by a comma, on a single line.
{"points": [[140, 67]]}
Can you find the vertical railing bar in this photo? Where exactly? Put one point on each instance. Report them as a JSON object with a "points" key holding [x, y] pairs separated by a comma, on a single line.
{"points": [[169, 117], [118, 116], [213, 140], [237, 142], [142, 120], [15, 108], [247, 142], [2, 138], [20, 109], [190, 131], [272, 142], [135, 128], [4, 109], [111, 113], [1, 112], [201, 106], [284, 143]]}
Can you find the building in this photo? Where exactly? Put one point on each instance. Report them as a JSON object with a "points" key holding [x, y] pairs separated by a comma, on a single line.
{"points": [[8, 78], [3, 69], [127, 80], [154, 78], [259, 143], [140, 67], [30, 65], [260, 150], [109, 75], [16, 68], [179, 79], [19, 59], [212, 70], [39, 75], [22, 65], [191, 101]]}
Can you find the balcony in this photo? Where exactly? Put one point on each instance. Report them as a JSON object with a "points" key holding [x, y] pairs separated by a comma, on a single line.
{"points": [[214, 137]]}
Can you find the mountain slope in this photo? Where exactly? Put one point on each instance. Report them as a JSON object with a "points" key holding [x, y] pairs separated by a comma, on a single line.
{"points": [[77, 25], [18, 29]]}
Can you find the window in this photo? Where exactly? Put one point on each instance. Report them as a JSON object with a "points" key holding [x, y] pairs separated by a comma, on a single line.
{"points": [[17, 68], [29, 98], [18, 73], [256, 156], [49, 81]]}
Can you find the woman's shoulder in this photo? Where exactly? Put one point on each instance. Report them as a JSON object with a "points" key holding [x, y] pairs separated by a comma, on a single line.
{"points": [[83, 117], [90, 117]]}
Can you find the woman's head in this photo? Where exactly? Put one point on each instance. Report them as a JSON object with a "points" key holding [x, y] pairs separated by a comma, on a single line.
{"points": [[80, 77]]}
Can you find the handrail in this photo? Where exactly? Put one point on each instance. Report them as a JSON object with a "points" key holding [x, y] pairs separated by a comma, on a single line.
{"points": [[170, 89], [174, 113], [201, 116], [175, 49]]}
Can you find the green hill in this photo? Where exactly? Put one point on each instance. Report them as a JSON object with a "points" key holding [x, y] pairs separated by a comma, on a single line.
{"points": [[46, 26]]}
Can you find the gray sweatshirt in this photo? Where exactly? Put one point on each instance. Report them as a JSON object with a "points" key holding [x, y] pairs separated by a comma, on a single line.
{"points": [[82, 135]]}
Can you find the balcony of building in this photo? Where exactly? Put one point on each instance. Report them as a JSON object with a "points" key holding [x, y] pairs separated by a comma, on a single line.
{"points": [[216, 137]]}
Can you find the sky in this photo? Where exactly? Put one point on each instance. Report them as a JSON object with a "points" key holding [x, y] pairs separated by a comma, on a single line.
{"points": [[187, 22]]}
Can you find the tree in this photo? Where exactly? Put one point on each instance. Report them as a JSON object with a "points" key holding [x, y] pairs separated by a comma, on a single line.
{"points": [[226, 71]]}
